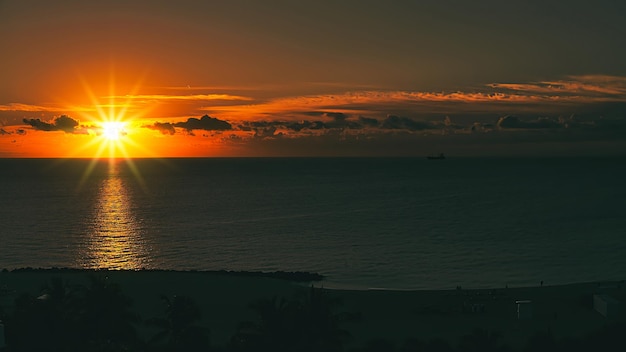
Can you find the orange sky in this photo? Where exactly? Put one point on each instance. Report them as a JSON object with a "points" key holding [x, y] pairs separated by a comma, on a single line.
{"points": [[323, 79]]}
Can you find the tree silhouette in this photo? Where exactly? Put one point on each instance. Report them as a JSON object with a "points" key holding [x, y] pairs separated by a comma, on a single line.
{"points": [[435, 345], [47, 321], [72, 318], [274, 330], [303, 324], [106, 322], [177, 328], [321, 325]]}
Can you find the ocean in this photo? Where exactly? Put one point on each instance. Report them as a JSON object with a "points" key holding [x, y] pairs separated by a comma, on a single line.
{"points": [[396, 223]]}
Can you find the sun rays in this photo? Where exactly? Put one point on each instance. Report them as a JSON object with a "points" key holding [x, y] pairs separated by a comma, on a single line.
{"points": [[113, 130], [113, 125]]}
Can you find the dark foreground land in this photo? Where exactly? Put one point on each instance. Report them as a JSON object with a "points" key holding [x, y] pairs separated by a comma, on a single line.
{"points": [[219, 311]]}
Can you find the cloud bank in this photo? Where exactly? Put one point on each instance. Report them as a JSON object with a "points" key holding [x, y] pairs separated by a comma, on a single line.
{"points": [[575, 109], [205, 123], [62, 123]]}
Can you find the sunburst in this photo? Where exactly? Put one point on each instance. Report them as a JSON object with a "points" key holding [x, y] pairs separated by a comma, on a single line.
{"points": [[112, 128]]}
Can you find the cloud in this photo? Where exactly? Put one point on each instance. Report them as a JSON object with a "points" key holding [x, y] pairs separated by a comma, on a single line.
{"points": [[515, 122], [163, 127], [197, 97], [62, 123], [65, 123], [565, 96], [369, 122], [393, 122], [340, 124], [266, 132], [382, 103], [334, 121], [27, 107], [589, 87], [19, 131], [206, 123], [337, 116]]}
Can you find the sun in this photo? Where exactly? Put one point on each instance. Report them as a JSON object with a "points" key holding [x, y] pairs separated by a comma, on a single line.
{"points": [[113, 130], [113, 119]]}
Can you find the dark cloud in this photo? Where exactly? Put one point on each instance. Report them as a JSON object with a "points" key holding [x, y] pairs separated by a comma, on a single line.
{"points": [[265, 128], [266, 132], [339, 121], [206, 123], [40, 125], [516, 122], [3, 132], [297, 126], [481, 127], [393, 122], [615, 125], [317, 125], [262, 124], [66, 123], [163, 127], [338, 116], [369, 122], [62, 123]]}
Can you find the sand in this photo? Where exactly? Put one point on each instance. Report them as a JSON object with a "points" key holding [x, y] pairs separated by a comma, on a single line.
{"points": [[566, 310]]}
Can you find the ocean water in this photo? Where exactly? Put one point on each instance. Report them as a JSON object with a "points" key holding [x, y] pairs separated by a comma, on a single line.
{"points": [[401, 223]]}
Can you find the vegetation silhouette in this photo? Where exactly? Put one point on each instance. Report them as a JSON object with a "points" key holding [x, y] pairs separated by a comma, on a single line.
{"points": [[73, 318], [409, 345], [177, 328], [106, 319], [98, 316], [306, 323]]}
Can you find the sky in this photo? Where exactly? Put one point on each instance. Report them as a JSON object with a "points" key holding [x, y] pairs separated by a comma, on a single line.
{"points": [[312, 78]]}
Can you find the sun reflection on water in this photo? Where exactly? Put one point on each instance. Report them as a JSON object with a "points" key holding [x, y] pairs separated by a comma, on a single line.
{"points": [[115, 240]]}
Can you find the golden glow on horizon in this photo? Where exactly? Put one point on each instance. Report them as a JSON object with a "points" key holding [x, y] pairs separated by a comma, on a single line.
{"points": [[114, 131], [112, 122]]}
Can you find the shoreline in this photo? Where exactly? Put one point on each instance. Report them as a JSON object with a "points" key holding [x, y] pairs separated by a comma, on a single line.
{"points": [[295, 276], [302, 277], [394, 315]]}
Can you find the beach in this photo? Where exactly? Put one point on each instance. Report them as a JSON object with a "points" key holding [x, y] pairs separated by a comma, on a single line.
{"points": [[224, 300]]}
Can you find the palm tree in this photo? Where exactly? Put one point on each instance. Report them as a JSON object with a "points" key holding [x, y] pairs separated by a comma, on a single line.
{"points": [[47, 321], [322, 324], [106, 322], [275, 329], [303, 324], [178, 329]]}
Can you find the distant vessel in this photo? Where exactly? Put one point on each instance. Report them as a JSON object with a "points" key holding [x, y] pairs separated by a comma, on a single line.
{"points": [[436, 157]]}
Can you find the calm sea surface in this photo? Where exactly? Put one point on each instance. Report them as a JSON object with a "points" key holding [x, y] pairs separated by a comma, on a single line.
{"points": [[384, 223]]}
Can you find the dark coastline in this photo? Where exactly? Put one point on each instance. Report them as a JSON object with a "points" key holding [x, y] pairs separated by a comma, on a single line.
{"points": [[384, 316], [294, 276]]}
